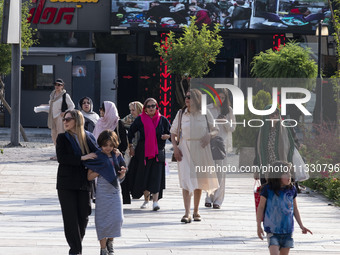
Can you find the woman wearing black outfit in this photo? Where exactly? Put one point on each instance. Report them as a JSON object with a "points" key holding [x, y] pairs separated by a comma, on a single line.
{"points": [[74, 146], [150, 153]]}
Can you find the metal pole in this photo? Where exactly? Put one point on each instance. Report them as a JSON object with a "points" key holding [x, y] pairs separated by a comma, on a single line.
{"points": [[319, 69], [15, 95]]}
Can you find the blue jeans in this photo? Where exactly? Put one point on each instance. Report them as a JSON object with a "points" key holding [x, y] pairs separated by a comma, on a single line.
{"points": [[281, 240]]}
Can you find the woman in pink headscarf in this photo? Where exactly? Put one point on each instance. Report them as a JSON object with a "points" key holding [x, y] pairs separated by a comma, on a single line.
{"points": [[154, 131], [110, 121]]}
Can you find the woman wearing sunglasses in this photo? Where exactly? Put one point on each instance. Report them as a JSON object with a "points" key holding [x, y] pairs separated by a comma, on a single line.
{"points": [[60, 102], [73, 147], [150, 153], [191, 129]]}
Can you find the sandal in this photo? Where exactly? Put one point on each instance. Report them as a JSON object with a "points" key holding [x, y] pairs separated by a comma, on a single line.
{"points": [[216, 206], [207, 204], [186, 219], [197, 217]]}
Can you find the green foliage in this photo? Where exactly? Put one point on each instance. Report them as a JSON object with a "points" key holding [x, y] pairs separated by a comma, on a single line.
{"points": [[27, 38], [190, 55], [321, 150], [290, 61], [329, 185], [246, 136]]}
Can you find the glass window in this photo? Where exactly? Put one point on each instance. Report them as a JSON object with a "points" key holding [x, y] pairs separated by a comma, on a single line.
{"points": [[37, 77]]}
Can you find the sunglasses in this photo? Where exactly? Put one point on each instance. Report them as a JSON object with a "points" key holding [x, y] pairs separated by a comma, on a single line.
{"points": [[187, 97], [68, 119], [151, 106], [58, 84]]}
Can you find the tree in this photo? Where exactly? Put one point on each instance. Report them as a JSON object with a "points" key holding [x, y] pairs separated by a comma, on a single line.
{"points": [[290, 61], [27, 40], [189, 56], [335, 6]]}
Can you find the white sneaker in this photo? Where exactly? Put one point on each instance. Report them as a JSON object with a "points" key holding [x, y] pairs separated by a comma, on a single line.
{"points": [[156, 206], [145, 205]]}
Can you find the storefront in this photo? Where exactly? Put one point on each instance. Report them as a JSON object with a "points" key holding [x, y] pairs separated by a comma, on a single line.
{"points": [[129, 29]]}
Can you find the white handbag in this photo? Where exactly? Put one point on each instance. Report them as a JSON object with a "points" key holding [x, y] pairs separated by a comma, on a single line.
{"points": [[300, 170]]}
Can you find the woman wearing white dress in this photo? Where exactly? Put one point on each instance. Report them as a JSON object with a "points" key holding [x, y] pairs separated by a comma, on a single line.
{"points": [[223, 111], [193, 152]]}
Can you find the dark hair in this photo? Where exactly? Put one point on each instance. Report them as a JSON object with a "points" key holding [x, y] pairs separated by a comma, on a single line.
{"points": [[108, 136], [274, 178], [102, 107], [226, 104]]}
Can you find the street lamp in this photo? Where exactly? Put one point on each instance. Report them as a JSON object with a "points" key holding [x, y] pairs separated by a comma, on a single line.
{"points": [[321, 30]]}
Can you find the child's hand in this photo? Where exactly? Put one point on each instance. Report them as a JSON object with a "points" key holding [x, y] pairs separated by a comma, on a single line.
{"points": [[122, 172], [305, 230], [117, 152], [260, 232]]}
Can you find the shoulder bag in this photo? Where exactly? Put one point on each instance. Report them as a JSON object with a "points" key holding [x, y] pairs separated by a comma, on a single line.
{"points": [[217, 146], [179, 131]]}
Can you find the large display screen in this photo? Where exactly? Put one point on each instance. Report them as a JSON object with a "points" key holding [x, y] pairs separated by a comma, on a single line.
{"points": [[294, 16]]}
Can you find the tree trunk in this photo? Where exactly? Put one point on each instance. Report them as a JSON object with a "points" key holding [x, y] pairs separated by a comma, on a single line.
{"points": [[182, 86], [8, 107]]}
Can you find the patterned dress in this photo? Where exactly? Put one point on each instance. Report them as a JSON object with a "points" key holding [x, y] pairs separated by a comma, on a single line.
{"points": [[109, 210]]}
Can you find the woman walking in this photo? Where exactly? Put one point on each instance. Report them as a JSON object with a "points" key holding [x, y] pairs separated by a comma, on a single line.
{"points": [[109, 120], [73, 147], [223, 111], [154, 130], [59, 103], [193, 150], [274, 143], [136, 108]]}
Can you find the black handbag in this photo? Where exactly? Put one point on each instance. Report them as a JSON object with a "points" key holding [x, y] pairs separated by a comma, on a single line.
{"points": [[64, 106], [217, 146]]}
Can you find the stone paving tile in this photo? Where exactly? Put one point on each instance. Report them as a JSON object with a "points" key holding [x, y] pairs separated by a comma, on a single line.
{"points": [[31, 222]]}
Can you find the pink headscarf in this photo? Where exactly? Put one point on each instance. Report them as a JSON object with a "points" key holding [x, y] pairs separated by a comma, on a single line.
{"points": [[109, 121], [150, 125]]}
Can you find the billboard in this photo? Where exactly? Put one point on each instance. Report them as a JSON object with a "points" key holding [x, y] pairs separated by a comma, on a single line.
{"points": [[284, 15]]}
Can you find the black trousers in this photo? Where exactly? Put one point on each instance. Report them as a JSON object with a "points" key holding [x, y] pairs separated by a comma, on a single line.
{"points": [[75, 208]]}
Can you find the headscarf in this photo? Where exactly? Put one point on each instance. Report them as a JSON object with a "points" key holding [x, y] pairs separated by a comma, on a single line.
{"points": [[109, 121], [284, 142], [150, 125], [91, 115], [52, 100]]}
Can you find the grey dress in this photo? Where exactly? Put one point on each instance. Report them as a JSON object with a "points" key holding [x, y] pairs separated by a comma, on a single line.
{"points": [[109, 210]]}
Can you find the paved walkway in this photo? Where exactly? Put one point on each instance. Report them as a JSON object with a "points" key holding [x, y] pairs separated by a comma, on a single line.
{"points": [[31, 222]]}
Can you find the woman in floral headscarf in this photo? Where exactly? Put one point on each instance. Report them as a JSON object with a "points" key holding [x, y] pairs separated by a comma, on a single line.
{"points": [[274, 142]]}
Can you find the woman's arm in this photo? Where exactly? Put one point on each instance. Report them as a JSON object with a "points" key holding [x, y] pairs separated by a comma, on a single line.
{"points": [[122, 135], [177, 152], [298, 218], [69, 102], [259, 216], [133, 129], [91, 175]]}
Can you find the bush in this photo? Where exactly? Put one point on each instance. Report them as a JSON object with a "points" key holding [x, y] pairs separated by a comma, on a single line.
{"points": [[246, 136], [321, 150]]}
